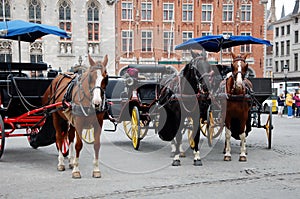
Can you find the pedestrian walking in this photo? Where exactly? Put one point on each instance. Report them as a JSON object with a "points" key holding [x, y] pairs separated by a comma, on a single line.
{"points": [[289, 104], [297, 104], [280, 102]]}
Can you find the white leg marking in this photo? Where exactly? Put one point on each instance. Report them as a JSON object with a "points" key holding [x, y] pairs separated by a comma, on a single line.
{"points": [[71, 155], [96, 165], [97, 91], [60, 159], [227, 140], [76, 167], [243, 144], [197, 155], [176, 157]]}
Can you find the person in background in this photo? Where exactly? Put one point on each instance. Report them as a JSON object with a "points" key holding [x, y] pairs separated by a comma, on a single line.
{"points": [[289, 104], [297, 103], [280, 101]]}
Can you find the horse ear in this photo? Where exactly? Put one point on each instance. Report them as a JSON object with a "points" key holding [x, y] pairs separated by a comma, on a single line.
{"points": [[105, 61], [194, 55], [92, 62], [233, 55], [246, 55]]}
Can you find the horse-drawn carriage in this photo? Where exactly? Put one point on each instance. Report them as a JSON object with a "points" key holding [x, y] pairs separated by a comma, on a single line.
{"points": [[20, 103], [132, 99]]}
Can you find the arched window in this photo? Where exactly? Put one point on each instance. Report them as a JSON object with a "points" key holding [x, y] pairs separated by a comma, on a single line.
{"points": [[65, 17], [93, 26], [34, 11], [7, 10], [93, 22]]}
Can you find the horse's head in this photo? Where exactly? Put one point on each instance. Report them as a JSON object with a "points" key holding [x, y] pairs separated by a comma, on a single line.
{"points": [[239, 69], [97, 80], [198, 72]]}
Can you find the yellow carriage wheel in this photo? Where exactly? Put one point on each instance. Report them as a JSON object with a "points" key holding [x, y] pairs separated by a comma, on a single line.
{"points": [[214, 127], [135, 128]]}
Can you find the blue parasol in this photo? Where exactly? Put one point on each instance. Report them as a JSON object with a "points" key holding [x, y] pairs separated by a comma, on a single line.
{"points": [[215, 43], [27, 31]]}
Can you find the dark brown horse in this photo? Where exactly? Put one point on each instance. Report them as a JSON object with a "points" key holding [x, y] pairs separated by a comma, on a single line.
{"points": [[184, 97], [84, 104], [238, 89]]}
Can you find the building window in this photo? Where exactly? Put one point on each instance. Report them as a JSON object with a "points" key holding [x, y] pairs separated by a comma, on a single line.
{"points": [[127, 11], [276, 48], [296, 61], [296, 20], [288, 29], [34, 11], [281, 64], [282, 30], [93, 25], [5, 51], [282, 48], [246, 47], [277, 32], [36, 52], [227, 50], [186, 35], [207, 12], [276, 66], [168, 11], [228, 12], [288, 47], [246, 12], [187, 11], [205, 33], [65, 17], [146, 11], [168, 41], [296, 36], [7, 10], [127, 40], [147, 41]]}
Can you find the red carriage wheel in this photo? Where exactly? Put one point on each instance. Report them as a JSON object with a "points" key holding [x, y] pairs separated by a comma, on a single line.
{"points": [[2, 136]]}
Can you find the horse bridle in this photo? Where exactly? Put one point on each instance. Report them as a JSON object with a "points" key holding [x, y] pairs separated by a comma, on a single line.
{"points": [[91, 90]]}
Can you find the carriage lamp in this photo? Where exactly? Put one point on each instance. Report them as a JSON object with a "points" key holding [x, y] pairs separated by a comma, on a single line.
{"points": [[285, 69]]}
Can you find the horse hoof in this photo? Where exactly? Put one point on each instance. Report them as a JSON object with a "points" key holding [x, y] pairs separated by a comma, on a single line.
{"points": [[71, 166], [96, 174], [176, 163], [182, 155], [197, 163], [227, 158], [243, 159], [61, 168], [172, 154], [76, 175]]}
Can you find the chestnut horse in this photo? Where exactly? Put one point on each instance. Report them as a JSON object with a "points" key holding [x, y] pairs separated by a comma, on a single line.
{"points": [[83, 107], [238, 92]]}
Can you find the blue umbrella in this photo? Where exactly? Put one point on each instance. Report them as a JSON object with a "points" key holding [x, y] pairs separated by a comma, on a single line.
{"points": [[215, 43], [27, 31]]}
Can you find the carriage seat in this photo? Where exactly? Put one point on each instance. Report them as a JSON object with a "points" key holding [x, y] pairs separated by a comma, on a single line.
{"points": [[147, 93]]}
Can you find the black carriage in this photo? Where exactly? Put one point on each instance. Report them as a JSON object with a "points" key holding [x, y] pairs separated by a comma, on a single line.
{"points": [[132, 99], [22, 86], [213, 126]]}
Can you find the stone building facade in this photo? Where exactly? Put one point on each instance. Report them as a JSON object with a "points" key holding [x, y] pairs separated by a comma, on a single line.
{"points": [[90, 22]]}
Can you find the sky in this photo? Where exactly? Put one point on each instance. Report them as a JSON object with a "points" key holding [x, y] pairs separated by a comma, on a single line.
{"points": [[288, 6]]}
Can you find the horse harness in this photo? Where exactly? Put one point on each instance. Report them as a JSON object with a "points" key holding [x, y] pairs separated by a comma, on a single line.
{"points": [[78, 108]]}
